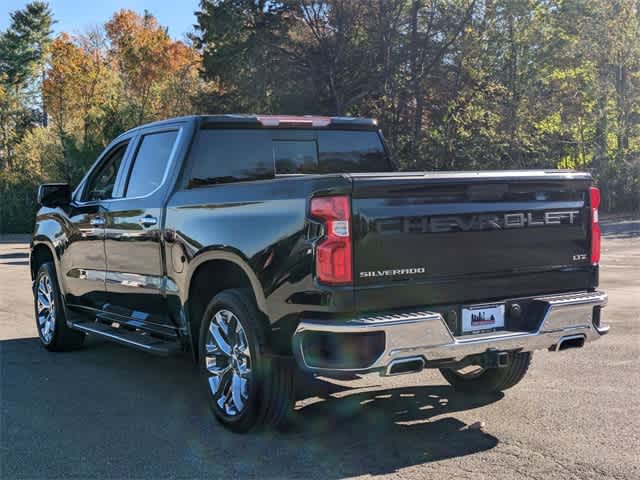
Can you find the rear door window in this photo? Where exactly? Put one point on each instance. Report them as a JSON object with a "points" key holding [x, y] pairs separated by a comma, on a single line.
{"points": [[150, 163]]}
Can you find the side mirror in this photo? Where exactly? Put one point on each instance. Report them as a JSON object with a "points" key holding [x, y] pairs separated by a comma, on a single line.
{"points": [[54, 194]]}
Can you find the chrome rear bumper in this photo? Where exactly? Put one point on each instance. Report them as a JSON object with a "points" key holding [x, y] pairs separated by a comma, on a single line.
{"points": [[425, 335]]}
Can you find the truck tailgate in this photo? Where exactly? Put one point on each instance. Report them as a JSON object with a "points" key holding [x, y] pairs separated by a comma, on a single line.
{"points": [[461, 237]]}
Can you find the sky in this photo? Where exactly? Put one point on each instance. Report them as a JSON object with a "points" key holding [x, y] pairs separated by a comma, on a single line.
{"points": [[75, 16]]}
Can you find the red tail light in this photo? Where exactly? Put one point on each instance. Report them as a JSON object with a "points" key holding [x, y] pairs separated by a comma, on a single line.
{"points": [[594, 196], [333, 252]]}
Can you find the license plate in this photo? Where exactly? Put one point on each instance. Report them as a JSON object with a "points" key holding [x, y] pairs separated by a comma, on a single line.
{"points": [[479, 318]]}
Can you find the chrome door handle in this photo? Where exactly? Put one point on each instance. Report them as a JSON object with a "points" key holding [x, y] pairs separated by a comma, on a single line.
{"points": [[148, 221], [97, 222]]}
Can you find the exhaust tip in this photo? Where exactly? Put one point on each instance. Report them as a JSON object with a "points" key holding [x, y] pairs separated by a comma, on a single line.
{"points": [[575, 341], [405, 365]]}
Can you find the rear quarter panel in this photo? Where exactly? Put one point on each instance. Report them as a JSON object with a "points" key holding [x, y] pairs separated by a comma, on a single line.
{"points": [[261, 226]]}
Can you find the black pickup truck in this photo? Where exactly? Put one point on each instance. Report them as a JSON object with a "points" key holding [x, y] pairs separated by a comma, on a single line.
{"points": [[269, 245]]}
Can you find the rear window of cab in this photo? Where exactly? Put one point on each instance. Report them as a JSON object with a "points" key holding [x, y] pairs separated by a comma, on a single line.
{"points": [[229, 155]]}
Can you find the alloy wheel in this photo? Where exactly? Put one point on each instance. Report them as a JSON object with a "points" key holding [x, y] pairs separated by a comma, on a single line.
{"points": [[46, 307], [228, 362]]}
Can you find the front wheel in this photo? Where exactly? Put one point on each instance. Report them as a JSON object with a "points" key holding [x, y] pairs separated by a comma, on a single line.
{"points": [[246, 386], [53, 331], [476, 379]]}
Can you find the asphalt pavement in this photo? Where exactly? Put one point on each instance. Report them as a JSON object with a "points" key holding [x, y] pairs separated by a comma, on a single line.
{"points": [[109, 412]]}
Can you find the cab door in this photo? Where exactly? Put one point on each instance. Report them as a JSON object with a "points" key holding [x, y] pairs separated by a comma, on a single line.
{"points": [[133, 244], [83, 262]]}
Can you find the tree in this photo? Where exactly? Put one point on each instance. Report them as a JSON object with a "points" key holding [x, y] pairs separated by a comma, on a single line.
{"points": [[23, 49], [149, 62], [456, 84], [79, 82], [105, 81], [243, 45]]}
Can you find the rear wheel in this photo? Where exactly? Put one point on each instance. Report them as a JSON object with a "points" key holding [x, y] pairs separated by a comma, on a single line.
{"points": [[246, 386], [52, 327], [475, 378]]}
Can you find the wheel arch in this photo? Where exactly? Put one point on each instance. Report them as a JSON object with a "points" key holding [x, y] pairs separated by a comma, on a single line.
{"points": [[211, 273], [41, 252]]}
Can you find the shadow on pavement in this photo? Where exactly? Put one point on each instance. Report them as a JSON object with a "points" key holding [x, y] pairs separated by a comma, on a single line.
{"points": [[109, 412]]}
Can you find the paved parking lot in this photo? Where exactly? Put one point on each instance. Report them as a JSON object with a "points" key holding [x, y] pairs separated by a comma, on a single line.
{"points": [[109, 412]]}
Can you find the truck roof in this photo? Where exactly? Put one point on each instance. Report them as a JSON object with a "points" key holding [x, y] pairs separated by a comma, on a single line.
{"points": [[271, 121]]}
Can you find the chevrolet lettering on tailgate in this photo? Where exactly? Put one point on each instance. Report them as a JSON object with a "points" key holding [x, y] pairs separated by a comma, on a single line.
{"points": [[464, 223]]}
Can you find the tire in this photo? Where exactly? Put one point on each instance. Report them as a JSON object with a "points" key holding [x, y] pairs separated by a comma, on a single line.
{"points": [[490, 380], [243, 401], [51, 322]]}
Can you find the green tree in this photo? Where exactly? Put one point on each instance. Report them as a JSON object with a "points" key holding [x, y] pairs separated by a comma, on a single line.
{"points": [[23, 48], [456, 84], [244, 49]]}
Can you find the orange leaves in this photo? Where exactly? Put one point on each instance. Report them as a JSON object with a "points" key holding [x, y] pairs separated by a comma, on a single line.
{"points": [[140, 46], [63, 77], [78, 78], [148, 60], [64, 62], [182, 56], [131, 69]]}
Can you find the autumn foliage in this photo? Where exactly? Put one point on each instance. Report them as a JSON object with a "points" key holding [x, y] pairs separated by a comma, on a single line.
{"points": [[129, 73], [455, 84], [151, 65], [91, 87]]}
